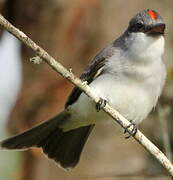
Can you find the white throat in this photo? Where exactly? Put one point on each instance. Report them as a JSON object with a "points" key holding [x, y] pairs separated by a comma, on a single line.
{"points": [[145, 48]]}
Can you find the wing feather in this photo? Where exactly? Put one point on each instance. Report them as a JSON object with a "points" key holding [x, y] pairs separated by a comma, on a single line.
{"points": [[94, 70]]}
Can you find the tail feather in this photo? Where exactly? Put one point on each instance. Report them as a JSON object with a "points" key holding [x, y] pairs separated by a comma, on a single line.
{"points": [[69, 147], [32, 137], [63, 147]]}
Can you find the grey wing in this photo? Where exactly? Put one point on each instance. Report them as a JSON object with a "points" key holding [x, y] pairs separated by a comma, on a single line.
{"points": [[95, 69]]}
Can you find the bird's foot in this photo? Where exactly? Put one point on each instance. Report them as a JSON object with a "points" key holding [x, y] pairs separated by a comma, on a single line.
{"points": [[133, 130], [100, 104]]}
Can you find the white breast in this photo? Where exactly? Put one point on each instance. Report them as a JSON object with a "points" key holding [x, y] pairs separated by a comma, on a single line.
{"points": [[144, 48], [133, 99]]}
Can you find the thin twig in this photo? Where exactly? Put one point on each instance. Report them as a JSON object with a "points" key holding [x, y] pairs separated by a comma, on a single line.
{"points": [[140, 138]]}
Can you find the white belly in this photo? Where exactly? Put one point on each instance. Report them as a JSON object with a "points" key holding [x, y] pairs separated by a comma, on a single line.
{"points": [[132, 100]]}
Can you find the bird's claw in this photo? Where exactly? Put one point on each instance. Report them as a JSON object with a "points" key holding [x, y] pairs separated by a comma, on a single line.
{"points": [[100, 104], [132, 132]]}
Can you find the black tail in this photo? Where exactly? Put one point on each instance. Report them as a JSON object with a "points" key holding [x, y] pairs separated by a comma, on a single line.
{"points": [[63, 147]]}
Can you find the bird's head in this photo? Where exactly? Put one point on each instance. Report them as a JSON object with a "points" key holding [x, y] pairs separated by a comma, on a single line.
{"points": [[145, 35], [148, 22]]}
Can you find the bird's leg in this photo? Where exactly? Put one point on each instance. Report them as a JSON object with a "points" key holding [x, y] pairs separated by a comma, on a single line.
{"points": [[133, 131], [100, 104]]}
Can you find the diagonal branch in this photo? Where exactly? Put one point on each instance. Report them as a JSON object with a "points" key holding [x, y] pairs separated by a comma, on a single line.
{"points": [[139, 137]]}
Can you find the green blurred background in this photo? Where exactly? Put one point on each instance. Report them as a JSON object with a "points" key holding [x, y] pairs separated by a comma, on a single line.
{"points": [[73, 31]]}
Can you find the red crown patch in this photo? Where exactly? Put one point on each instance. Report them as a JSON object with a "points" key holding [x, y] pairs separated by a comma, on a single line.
{"points": [[152, 14]]}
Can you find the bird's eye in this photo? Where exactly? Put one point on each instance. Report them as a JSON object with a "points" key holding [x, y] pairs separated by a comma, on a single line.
{"points": [[136, 27], [139, 26]]}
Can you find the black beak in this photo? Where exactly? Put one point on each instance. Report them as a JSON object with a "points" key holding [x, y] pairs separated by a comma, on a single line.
{"points": [[157, 29]]}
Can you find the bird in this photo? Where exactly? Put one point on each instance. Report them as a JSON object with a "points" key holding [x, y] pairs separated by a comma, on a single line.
{"points": [[129, 74]]}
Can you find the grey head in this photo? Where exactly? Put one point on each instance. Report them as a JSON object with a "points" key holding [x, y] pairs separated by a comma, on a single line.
{"points": [[147, 21]]}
